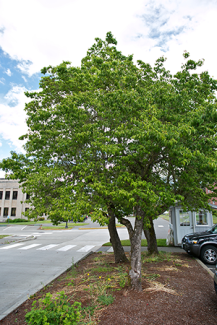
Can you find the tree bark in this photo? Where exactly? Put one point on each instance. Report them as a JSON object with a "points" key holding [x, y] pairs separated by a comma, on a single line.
{"points": [[135, 258], [151, 238], [115, 240], [135, 254]]}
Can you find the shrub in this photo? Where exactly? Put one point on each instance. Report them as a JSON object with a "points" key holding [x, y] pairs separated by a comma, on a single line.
{"points": [[17, 220], [56, 311], [41, 218]]}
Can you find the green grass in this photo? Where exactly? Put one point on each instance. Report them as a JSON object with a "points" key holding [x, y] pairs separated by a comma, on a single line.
{"points": [[45, 222], [100, 269], [2, 236], [63, 225], [214, 219], [164, 216], [27, 223], [162, 256], [126, 242]]}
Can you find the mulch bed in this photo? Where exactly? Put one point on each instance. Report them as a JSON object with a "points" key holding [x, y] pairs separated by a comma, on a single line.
{"points": [[175, 291]]}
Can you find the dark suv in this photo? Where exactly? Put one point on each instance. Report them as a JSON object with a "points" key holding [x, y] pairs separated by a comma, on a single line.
{"points": [[202, 244]]}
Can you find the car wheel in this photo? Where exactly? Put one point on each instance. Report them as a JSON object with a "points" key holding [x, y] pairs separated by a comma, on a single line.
{"points": [[209, 254]]}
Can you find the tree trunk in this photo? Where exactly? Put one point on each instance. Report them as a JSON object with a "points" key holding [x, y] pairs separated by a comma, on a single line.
{"points": [[135, 258], [115, 240], [151, 238]]}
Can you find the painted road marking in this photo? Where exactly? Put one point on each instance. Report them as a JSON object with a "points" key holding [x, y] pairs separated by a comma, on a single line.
{"points": [[11, 246], [66, 248], [7, 228], [160, 226], [86, 248], [30, 246], [45, 248], [23, 227]]}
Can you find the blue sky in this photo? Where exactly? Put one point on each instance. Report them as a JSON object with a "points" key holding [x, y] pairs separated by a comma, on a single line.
{"points": [[38, 33]]}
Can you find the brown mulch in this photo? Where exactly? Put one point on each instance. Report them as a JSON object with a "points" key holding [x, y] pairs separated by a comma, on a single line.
{"points": [[175, 291]]}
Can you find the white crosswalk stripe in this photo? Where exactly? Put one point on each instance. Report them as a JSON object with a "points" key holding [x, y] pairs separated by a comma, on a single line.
{"points": [[85, 248], [30, 246], [45, 248], [12, 246], [65, 248]]}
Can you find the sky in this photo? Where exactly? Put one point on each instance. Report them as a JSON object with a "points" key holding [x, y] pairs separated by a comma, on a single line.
{"points": [[39, 33]]}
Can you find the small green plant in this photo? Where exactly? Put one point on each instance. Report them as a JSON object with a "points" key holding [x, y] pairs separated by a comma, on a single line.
{"points": [[56, 311], [96, 259], [162, 256], [71, 283], [106, 299], [177, 264], [152, 277], [123, 279], [73, 269], [101, 269]]}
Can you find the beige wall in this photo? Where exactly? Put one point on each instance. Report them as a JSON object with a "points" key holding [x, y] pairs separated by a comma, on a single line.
{"points": [[12, 185]]}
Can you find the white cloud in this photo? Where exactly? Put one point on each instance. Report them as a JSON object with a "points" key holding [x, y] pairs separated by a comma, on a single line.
{"points": [[0, 144], [8, 72], [24, 78], [12, 118], [2, 174], [143, 27], [2, 81]]}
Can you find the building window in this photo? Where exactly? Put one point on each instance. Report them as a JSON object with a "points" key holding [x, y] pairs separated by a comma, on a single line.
{"points": [[26, 209], [0, 211], [27, 196], [184, 218], [201, 218], [13, 212], [7, 195], [15, 193], [1, 193], [5, 212]]}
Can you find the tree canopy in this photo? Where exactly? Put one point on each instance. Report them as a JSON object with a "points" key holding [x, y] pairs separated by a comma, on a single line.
{"points": [[117, 136]]}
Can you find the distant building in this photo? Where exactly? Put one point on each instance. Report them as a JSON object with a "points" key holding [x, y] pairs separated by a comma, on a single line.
{"points": [[212, 201], [11, 196]]}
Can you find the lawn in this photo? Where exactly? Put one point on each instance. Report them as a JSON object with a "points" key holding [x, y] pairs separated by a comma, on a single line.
{"points": [[63, 226], [126, 242], [42, 222], [214, 220], [164, 216]]}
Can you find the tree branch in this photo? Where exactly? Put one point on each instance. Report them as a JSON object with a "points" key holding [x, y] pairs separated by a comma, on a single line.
{"points": [[127, 224]]}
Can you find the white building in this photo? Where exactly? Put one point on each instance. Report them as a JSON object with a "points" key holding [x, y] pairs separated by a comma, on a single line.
{"points": [[11, 196]]}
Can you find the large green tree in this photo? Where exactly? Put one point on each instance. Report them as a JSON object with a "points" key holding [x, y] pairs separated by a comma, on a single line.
{"points": [[115, 138]]}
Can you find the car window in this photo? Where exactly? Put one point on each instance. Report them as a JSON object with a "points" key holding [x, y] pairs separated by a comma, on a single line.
{"points": [[214, 230]]}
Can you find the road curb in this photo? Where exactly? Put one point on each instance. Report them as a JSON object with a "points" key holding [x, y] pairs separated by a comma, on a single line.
{"points": [[27, 238], [205, 267], [31, 237]]}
